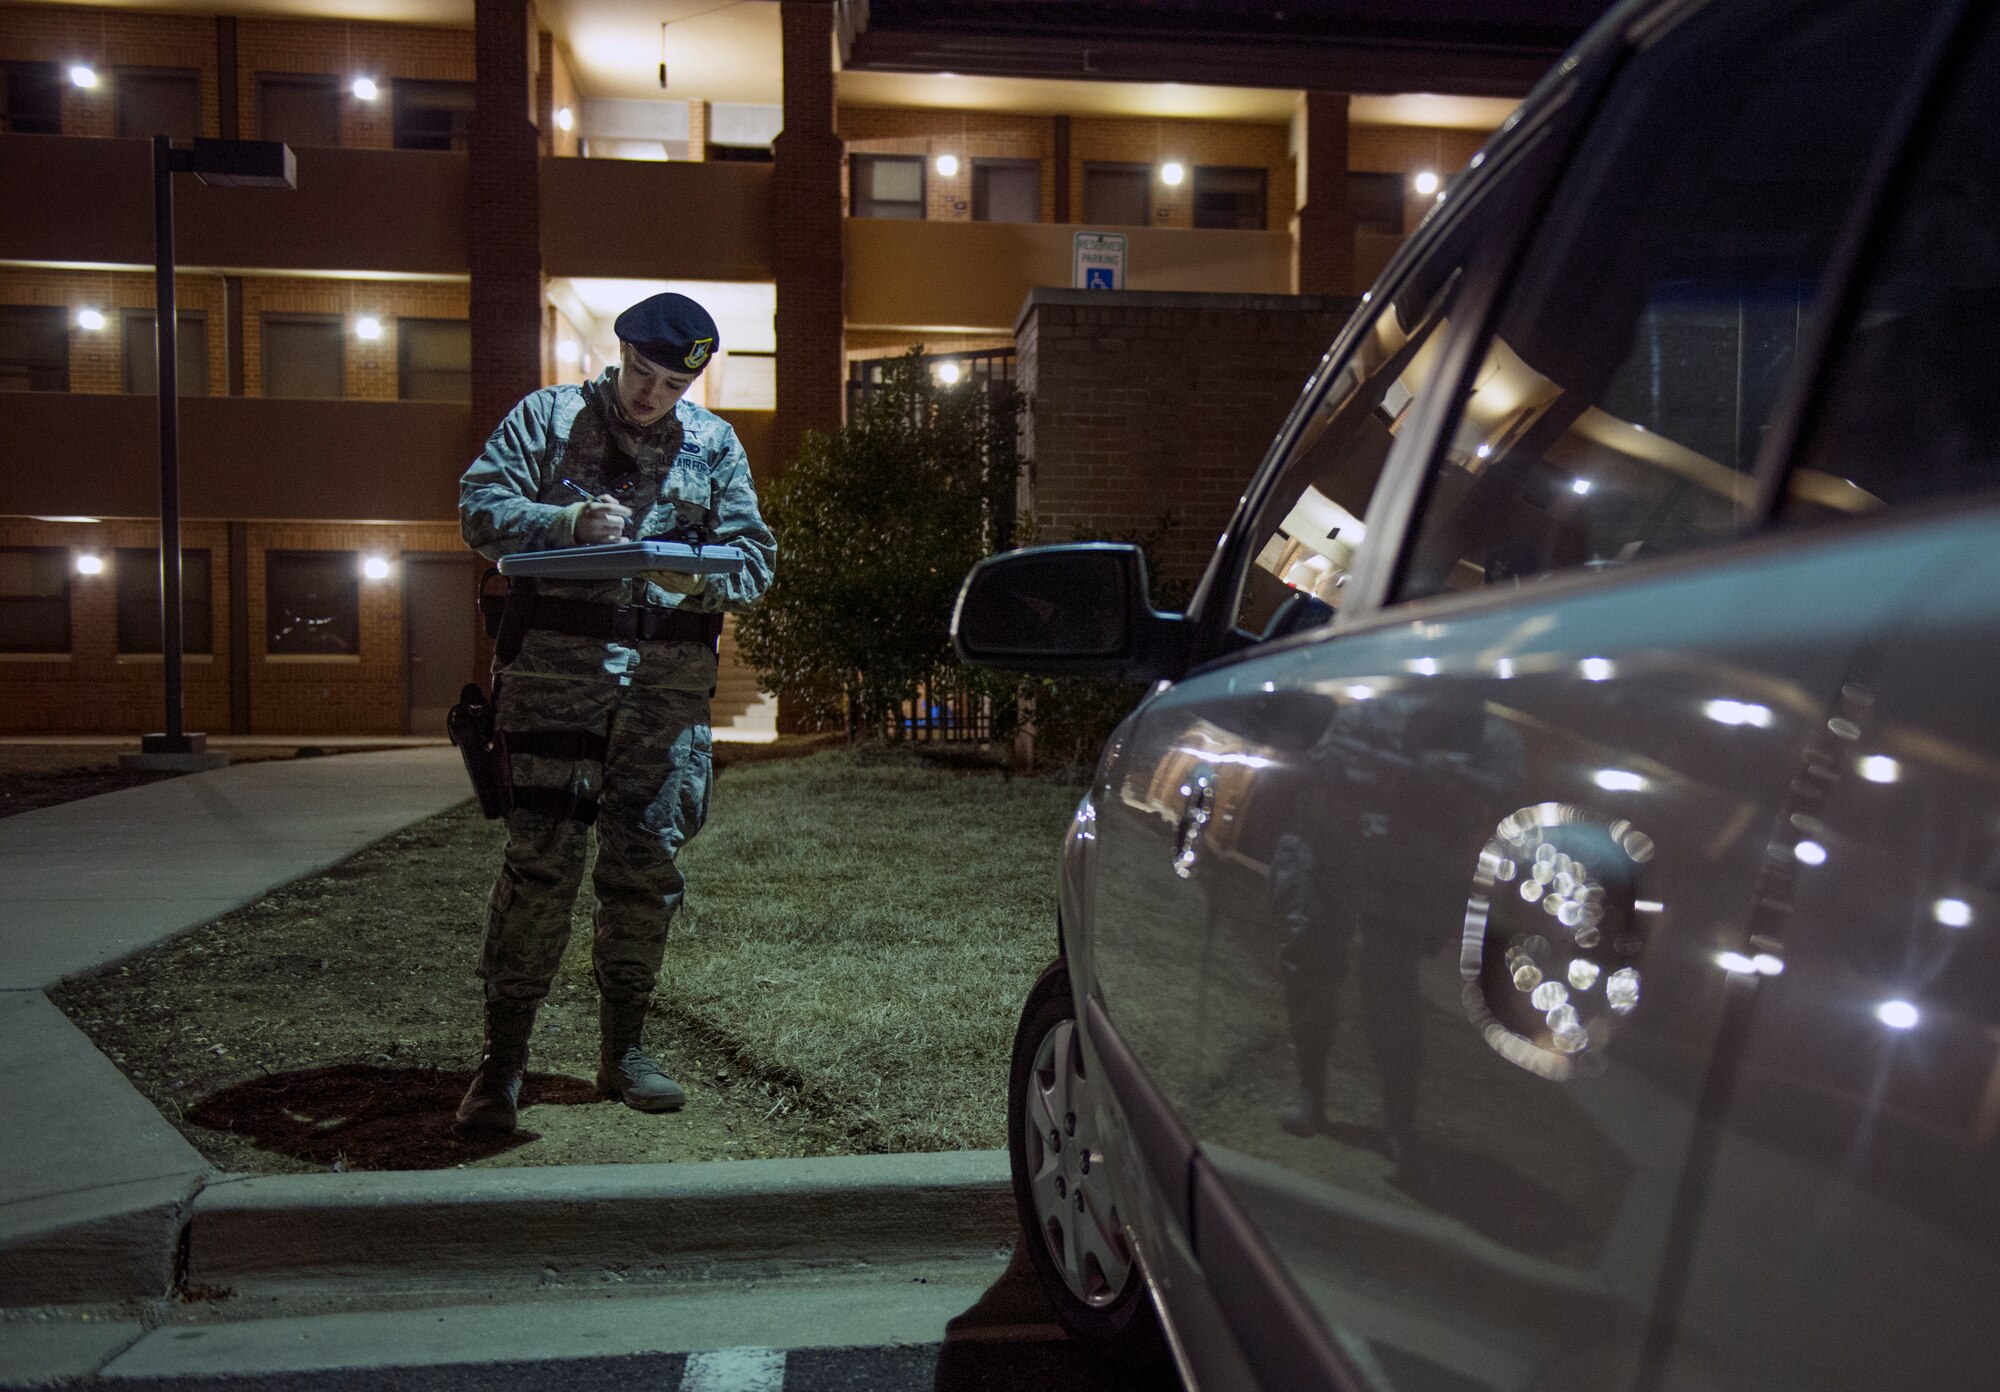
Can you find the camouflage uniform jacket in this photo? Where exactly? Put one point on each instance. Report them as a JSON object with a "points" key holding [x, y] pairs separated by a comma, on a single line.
{"points": [[670, 473]]}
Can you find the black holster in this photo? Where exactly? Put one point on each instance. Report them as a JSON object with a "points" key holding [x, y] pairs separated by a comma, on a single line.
{"points": [[506, 615], [474, 726]]}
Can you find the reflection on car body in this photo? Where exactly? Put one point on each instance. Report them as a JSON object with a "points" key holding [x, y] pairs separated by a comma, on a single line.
{"points": [[1542, 928]]}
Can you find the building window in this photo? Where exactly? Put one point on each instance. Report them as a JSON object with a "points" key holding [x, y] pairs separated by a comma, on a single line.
{"points": [[741, 154], [299, 108], [158, 101], [312, 603], [34, 599], [1006, 190], [434, 359], [138, 580], [1229, 198], [142, 352], [34, 348], [1120, 195], [432, 115], [888, 186], [304, 355], [31, 102], [1376, 200]]}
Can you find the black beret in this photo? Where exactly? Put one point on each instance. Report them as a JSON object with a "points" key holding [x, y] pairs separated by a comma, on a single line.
{"points": [[671, 330]]}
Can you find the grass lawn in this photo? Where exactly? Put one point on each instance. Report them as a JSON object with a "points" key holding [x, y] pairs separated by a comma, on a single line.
{"points": [[860, 931]]}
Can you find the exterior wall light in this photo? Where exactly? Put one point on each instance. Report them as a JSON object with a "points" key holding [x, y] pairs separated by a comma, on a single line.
{"points": [[375, 567], [368, 327], [947, 165], [565, 118], [90, 563], [1172, 172], [91, 319], [83, 75], [365, 88], [567, 351], [947, 373], [1426, 182]]}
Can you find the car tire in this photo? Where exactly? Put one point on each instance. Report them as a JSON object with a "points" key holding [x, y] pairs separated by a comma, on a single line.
{"points": [[1101, 1302]]}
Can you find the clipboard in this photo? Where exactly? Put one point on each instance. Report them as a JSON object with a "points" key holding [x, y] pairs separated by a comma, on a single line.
{"points": [[619, 559]]}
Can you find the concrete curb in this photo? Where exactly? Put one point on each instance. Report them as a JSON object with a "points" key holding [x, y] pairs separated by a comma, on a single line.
{"points": [[263, 1236]]}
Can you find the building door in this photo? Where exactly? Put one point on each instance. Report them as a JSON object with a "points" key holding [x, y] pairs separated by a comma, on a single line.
{"points": [[438, 595]]}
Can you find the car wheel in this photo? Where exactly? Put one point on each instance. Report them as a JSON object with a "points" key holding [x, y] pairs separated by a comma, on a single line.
{"points": [[1062, 1187]]}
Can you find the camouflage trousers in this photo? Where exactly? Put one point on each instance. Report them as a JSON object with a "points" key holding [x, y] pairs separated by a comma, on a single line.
{"points": [[649, 790]]}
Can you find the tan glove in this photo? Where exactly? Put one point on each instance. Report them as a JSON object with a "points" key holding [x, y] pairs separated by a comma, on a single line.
{"points": [[675, 581]]}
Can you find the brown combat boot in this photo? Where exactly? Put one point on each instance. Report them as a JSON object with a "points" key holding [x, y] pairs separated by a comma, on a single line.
{"points": [[624, 1069], [493, 1101]]}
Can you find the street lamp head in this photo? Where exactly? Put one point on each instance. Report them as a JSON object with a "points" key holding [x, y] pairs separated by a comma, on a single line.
{"points": [[246, 163]]}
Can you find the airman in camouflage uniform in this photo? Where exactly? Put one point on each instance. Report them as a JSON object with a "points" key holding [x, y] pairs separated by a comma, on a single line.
{"points": [[605, 704]]}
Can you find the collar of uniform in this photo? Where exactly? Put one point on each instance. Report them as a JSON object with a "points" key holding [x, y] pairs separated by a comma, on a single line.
{"points": [[663, 434]]}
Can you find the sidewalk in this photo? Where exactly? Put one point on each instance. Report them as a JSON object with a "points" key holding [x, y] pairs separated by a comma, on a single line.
{"points": [[102, 1202], [95, 1184]]}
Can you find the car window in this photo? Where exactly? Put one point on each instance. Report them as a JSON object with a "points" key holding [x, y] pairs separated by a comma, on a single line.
{"points": [[1647, 337], [1913, 412], [1309, 532]]}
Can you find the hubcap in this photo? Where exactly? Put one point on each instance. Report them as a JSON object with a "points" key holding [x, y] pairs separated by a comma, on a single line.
{"points": [[1073, 1207]]}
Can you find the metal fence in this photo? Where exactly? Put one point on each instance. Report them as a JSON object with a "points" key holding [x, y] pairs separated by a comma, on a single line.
{"points": [[987, 366], [943, 712]]}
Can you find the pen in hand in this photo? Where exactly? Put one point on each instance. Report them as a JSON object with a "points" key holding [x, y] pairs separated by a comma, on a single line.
{"points": [[573, 486]]}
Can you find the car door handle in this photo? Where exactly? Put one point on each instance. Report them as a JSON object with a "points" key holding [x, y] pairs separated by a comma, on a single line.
{"points": [[1200, 793]]}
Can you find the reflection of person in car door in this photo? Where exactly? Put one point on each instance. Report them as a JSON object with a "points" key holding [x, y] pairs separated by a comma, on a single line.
{"points": [[1393, 774]]}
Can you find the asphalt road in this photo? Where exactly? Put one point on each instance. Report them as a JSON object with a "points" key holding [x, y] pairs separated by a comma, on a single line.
{"points": [[955, 1367]]}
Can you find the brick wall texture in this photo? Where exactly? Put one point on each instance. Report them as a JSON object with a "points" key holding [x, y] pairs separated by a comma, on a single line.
{"points": [[96, 357], [1129, 437], [97, 691], [110, 39]]}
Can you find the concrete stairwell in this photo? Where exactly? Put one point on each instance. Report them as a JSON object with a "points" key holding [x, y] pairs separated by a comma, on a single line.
{"points": [[740, 711]]}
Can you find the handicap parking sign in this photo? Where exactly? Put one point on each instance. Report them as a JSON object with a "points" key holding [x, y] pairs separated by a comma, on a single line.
{"points": [[1098, 261]]}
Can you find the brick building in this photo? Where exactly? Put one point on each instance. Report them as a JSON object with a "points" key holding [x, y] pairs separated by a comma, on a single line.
{"points": [[475, 201]]}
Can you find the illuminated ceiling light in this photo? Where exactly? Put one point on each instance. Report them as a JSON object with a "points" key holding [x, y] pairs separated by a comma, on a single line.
{"points": [[1596, 669], [947, 373], [365, 88], [83, 75], [90, 563], [1897, 1014], [1172, 172], [368, 327], [1879, 768], [1768, 964], [947, 165], [1580, 487], [1360, 691], [1423, 666], [1483, 451], [1648, 906], [565, 118], [567, 351], [1620, 781], [91, 319], [67, 518], [1952, 913], [1738, 713], [375, 567], [1504, 668], [1736, 962], [1810, 853], [1426, 182]]}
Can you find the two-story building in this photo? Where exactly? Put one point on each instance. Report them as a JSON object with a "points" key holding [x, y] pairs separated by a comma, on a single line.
{"points": [[482, 186]]}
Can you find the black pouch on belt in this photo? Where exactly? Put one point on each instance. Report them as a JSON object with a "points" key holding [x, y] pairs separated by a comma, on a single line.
{"points": [[473, 725]]}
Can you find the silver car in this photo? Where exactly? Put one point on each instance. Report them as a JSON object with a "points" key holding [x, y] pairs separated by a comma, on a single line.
{"points": [[1540, 928]]}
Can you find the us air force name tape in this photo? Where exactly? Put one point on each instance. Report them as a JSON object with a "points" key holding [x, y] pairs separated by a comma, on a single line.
{"points": [[670, 330]]}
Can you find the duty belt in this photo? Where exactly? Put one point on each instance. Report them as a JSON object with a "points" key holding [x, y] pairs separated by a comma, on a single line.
{"points": [[624, 623]]}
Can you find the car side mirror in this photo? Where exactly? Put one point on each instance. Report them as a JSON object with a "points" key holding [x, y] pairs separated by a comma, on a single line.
{"points": [[1080, 610]]}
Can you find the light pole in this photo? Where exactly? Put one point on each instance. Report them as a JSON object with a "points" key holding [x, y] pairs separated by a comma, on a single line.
{"points": [[230, 164]]}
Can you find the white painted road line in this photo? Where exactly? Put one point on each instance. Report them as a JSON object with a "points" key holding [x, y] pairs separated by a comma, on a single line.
{"points": [[735, 1370]]}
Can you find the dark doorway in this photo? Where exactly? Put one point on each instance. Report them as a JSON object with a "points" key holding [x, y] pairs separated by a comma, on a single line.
{"points": [[438, 597]]}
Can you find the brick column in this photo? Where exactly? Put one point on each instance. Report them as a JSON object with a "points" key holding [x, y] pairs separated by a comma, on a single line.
{"points": [[697, 129], [1323, 232], [806, 234], [504, 232]]}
